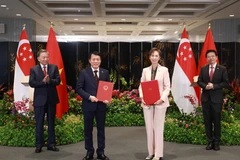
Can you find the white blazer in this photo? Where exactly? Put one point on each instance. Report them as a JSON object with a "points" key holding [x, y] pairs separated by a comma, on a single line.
{"points": [[162, 76]]}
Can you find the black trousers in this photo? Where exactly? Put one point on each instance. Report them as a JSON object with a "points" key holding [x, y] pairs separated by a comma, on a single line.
{"points": [[39, 112], [212, 120], [88, 129]]}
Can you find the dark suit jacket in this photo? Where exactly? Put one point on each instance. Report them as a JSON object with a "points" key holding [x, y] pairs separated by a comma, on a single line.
{"points": [[219, 80], [43, 91], [87, 85]]}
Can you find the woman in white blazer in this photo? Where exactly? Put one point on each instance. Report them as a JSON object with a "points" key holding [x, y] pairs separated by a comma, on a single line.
{"points": [[154, 115]]}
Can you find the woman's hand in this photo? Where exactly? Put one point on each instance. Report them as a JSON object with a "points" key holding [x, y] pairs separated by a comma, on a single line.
{"points": [[143, 102], [159, 102]]}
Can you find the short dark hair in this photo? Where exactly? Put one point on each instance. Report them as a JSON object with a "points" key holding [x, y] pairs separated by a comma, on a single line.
{"points": [[153, 50], [211, 50], [41, 51], [95, 53]]}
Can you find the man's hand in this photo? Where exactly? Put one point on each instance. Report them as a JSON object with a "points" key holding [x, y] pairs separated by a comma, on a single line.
{"points": [[106, 101], [46, 79], [93, 99], [209, 86]]}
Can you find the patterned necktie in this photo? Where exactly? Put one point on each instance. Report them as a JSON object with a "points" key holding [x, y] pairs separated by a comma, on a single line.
{"points": [[211, 72], [44, 70], [95, 75]]}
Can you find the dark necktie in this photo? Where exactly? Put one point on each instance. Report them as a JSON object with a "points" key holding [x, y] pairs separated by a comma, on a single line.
{"points": [[44, 70], [211, 72], [95, 75]]}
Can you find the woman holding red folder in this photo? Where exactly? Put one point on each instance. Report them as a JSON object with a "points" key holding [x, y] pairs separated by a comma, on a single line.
{"points": [[154, 115]]}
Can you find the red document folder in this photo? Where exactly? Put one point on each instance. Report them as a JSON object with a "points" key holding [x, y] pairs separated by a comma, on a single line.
{"points": [[150, 90], [104, 91]]}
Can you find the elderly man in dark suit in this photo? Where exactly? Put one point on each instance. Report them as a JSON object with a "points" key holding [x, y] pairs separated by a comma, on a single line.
{"points": [[87, 86], [212, 79], [44, 78]]}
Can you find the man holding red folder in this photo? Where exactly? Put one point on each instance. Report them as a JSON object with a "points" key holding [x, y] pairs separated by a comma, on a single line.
{"points": [[87, 86]]}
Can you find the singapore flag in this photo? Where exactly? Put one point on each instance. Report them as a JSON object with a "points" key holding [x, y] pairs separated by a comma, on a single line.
{"points": [[24, 61], [184, 70]]}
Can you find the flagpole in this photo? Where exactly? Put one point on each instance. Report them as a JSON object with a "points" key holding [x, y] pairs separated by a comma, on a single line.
{"points": [[51, 24], [209, 25], [24, 25]]}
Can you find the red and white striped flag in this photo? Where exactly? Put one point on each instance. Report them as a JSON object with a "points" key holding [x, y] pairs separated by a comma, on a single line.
{"points": [[184, 70], [24, 61]]}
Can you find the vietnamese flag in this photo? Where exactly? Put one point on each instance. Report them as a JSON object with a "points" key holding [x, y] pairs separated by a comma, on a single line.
{"points": [[56, 58], [208, 45]]}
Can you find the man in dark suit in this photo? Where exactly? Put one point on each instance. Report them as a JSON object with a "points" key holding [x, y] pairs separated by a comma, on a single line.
{"points": [[44, 78], [87, 86], [212, 79]]}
